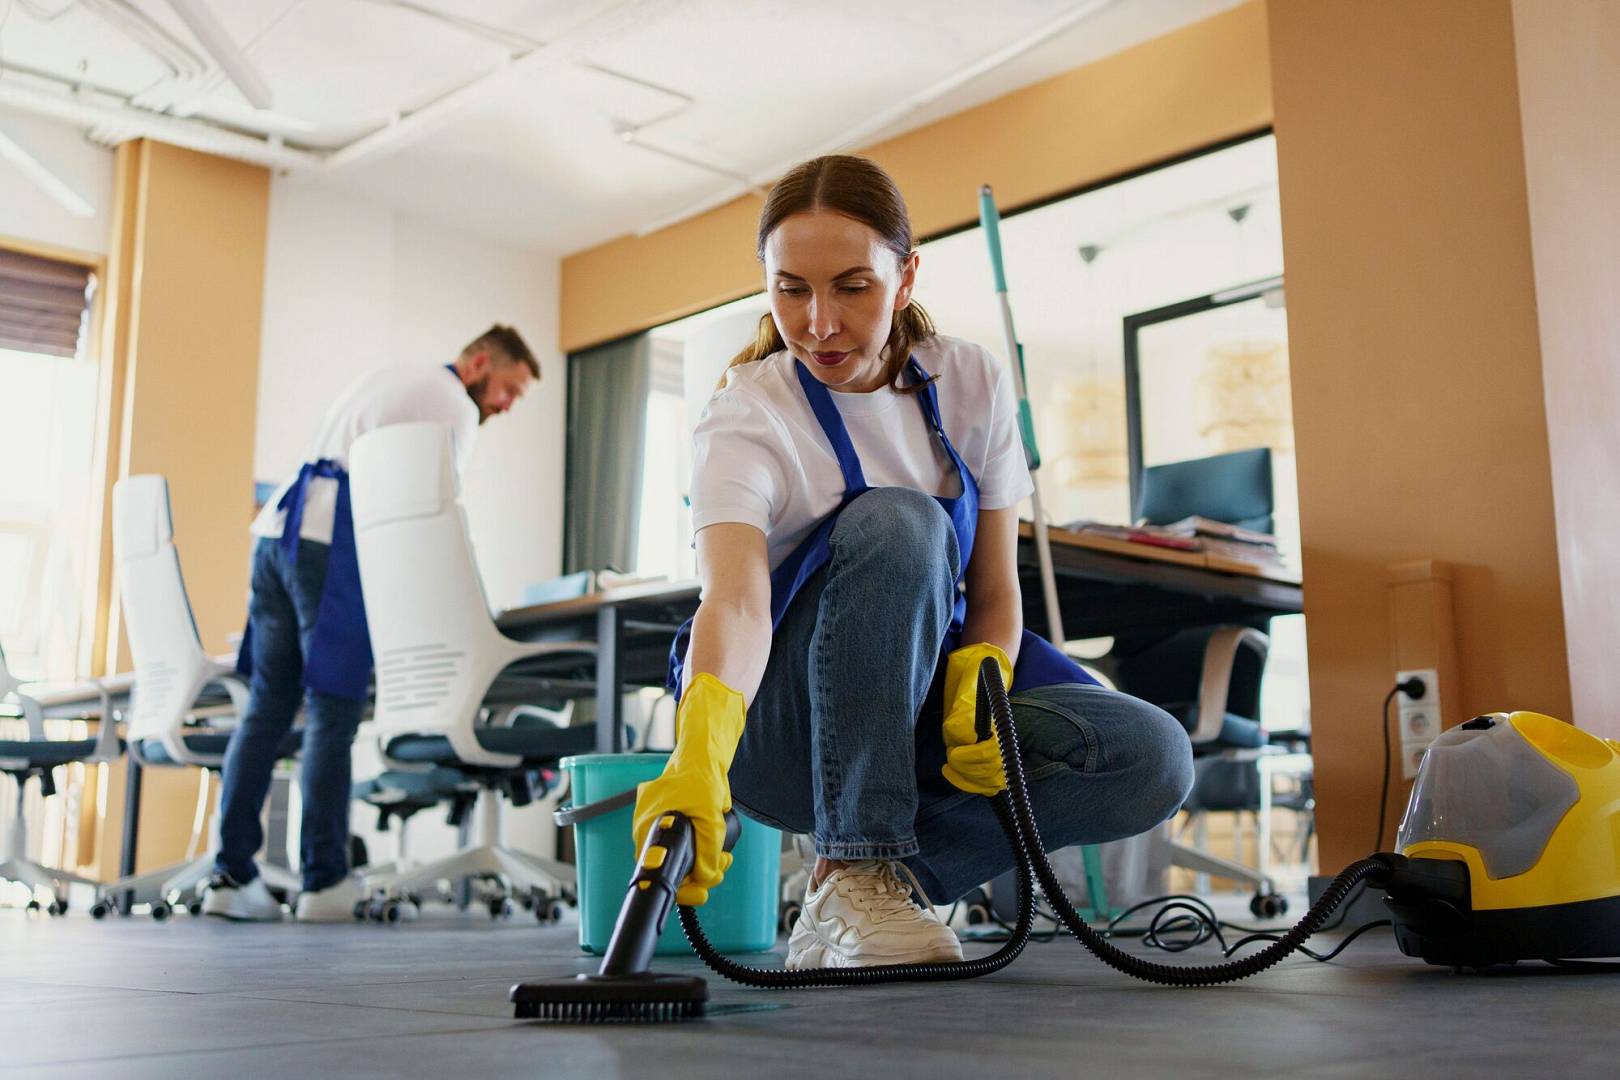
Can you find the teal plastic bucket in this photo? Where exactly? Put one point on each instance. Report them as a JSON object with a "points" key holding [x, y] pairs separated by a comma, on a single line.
{"points": [[741, 914]]}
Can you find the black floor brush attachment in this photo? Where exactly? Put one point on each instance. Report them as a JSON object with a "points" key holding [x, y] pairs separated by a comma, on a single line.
{"points": [[623, 990], [598, 999]]}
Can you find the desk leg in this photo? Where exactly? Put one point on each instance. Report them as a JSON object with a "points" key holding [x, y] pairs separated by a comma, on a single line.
{"points": [[609, 681], [132, 820]]}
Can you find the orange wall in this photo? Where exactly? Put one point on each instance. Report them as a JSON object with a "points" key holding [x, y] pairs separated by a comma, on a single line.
{"points": [[192, 374], [1569, 82], [1193, 87], [185, 286], [1416, 365]]}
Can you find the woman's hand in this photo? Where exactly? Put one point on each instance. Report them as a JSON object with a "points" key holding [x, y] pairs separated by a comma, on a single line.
{"points": [[971, 764], [708, 727]]}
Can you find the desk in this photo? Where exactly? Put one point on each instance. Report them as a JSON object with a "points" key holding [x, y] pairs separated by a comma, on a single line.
{"points": [[1101, 589], [632, 626], [1108, 587]]}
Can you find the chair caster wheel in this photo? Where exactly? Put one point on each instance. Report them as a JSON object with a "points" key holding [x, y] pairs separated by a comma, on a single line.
{"points": [[548, 911], [362, 910], [501, 907], [56, 907], [161, 910], [789, 916], [1268, 906], [100, 909], [397, 911], [194, 908], [977, 915], [32, 905]]}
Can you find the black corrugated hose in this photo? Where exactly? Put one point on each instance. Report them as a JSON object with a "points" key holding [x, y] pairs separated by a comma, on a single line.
{"points": [[1018, 821]]}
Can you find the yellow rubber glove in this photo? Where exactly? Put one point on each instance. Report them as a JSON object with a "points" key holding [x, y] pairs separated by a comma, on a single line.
{"points": [[970, 764], [708, 726]]}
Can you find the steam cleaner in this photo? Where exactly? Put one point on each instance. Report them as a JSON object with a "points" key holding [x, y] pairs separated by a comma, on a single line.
{"points": [[1509, 850]]}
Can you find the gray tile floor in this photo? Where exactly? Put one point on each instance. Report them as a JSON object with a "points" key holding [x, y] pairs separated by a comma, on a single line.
{"points": [[195, 998]]}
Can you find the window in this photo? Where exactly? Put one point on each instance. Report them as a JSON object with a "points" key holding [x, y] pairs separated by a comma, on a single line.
{"points": [[48, 413]]}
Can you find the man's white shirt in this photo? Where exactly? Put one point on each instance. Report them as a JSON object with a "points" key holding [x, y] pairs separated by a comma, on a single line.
{"points": [[395, 394]]}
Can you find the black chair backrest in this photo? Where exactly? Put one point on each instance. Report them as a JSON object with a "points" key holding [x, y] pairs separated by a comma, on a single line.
{"points": [[1234, 488]]}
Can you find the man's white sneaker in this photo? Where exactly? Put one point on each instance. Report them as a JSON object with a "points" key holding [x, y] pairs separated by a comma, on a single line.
{"points": [[335, 903], [228, 899], [862, 915]]}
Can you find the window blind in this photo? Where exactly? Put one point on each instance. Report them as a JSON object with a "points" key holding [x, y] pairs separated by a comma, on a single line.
{"points": [[42, 304]]}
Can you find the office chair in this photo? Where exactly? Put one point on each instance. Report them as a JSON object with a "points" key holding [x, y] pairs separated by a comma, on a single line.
{"points": [[37, 757], [451, 692], [182, 700], [1209, 677]]}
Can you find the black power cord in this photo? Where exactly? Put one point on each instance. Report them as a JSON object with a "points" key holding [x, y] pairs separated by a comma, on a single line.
{"points": [[1412, 688], [1017, 818]]}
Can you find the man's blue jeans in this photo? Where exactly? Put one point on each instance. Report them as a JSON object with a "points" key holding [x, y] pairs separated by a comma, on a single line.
{"points": [[286, 596], [843, 740]]}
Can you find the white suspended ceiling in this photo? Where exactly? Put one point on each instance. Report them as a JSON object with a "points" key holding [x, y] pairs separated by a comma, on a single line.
{"points": [[555, 125]]}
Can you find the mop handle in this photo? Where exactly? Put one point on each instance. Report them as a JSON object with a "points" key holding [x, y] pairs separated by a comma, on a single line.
{"points": [[990, 219]]}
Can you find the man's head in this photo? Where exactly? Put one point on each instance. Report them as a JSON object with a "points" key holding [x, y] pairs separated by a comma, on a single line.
{"points": [[496, 369]]}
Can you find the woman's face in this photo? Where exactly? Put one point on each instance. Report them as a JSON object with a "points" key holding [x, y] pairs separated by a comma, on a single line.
{"points": [[834, 287]]}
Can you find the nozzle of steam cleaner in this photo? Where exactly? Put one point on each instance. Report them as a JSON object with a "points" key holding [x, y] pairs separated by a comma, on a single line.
{"points": [[622, 989]]}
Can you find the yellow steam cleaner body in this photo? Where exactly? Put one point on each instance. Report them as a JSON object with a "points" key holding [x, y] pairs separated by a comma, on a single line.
{"points": [[1512, 841]]}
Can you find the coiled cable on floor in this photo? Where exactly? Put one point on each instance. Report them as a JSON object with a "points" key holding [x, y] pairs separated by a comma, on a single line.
{"points": [[1017, 819]]}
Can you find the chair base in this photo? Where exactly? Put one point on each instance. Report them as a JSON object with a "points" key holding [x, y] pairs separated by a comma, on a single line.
{"points": [[183, 882], [1202, 862], [520, 870], [37, 876]]}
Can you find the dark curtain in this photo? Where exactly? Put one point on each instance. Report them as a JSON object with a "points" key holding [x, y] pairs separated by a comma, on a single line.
{"points": [[607, 421]]}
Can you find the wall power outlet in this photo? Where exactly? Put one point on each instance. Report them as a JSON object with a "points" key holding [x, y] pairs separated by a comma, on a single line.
{"points": [[1420, 718], [1431, 687]]}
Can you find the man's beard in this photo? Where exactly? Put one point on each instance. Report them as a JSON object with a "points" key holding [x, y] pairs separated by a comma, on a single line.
{"points": [[475, 391]]}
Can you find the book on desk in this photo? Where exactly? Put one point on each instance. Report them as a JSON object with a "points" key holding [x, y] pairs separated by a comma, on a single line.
{"points": [[1193, 541]]}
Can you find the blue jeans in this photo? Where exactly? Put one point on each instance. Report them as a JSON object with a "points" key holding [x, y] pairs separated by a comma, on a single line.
{"points": [[286, 596], [843, 739]]}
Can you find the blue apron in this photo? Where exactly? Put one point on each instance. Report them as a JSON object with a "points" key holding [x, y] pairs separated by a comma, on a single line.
{"points": [[338, 660], [1039, 663]]}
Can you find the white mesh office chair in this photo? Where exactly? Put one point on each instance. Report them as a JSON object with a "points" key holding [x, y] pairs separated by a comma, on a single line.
{"points": [[37, 756], [440, 658], [181, 694]]}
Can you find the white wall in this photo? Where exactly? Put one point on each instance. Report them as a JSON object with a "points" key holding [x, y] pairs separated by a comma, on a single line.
{"points": [[27, 213], [349, 285]]}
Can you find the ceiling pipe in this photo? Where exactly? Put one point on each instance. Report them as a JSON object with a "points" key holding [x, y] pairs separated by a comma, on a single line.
{"points": [[217, 42], [90, 110], [41, 177], [855, 137]]}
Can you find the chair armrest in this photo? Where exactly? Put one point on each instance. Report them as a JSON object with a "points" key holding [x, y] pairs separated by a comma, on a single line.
{"points": [[108, 745], [509, 716], [33, 714], [1220, 654]]}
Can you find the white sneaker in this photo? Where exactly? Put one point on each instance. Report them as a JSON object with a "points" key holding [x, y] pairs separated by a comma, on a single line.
{"points": [[240, 903], [335, 903], [863, 915]]}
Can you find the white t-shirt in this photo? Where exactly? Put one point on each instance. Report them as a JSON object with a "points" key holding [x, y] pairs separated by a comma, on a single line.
{"points": [[395, 394], [762, 459]]}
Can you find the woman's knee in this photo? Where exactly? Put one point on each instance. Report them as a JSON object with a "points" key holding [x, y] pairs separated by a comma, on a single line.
{"points": [[1087, 729], [1164, 752], [900, 525]]}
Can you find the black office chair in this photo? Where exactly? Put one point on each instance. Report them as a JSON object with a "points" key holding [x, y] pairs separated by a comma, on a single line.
{"points": [[1208, 677], [36, 758]]}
